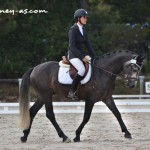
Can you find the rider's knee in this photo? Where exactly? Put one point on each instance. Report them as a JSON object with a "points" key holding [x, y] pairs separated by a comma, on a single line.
{"points": [[81, 72]]}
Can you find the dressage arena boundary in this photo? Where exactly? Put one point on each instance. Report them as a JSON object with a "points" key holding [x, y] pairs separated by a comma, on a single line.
{"points": [[125, 104]]}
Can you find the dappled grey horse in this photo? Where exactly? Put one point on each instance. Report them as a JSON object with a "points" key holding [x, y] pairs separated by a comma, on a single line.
{"points": [[44, 79]]}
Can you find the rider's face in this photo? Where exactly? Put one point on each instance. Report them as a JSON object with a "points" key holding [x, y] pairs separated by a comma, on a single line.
{"points": [[83, 20]]}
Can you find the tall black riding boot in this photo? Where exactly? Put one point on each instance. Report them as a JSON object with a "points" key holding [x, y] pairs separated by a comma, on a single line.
{"points": [[73, 91]]}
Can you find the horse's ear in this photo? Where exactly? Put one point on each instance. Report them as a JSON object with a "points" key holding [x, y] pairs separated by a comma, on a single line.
{"points": [[140, 58], [141, 54]]}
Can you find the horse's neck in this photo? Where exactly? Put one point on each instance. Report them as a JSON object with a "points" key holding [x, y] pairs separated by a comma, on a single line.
{"points": [[107, 69], [114, 63]]}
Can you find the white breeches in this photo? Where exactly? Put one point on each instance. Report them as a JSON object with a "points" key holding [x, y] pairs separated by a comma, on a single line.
{"points": [[78, 64]]}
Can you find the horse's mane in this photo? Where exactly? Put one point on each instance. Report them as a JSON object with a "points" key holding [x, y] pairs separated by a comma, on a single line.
{"points": [[110, 54]]}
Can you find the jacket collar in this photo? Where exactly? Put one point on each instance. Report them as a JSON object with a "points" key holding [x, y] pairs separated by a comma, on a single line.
{"points": [[76, 27]]}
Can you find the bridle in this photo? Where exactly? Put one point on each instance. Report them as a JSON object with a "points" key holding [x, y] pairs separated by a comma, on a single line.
{"points": [[132, 62]]}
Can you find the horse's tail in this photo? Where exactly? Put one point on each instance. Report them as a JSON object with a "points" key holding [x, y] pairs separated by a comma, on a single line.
{"points": [[24, 100]]}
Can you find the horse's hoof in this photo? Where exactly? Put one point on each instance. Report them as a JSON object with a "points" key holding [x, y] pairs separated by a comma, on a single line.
{"points": [[66, 140], [128, 136], [23, 139], [76, 140]]}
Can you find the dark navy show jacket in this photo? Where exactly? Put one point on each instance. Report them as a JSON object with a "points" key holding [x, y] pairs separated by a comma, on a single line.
{"points": [[76, 43]]}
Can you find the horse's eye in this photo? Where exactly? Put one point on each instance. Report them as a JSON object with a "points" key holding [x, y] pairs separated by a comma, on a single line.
{"points": [[135, 69], [127, 66]]}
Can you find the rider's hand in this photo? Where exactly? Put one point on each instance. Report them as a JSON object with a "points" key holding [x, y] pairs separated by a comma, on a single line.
{"points": [[86, 59]]}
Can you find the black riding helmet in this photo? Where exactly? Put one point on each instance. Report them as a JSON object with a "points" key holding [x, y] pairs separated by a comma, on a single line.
{"points": [[80, 13]]}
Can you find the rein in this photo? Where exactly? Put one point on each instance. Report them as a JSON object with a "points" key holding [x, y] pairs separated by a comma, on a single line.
{"points": [[125, 77], [111, 73]]}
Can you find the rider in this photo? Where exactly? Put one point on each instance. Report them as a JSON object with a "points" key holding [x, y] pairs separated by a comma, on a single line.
{"points": [[76, 54]]}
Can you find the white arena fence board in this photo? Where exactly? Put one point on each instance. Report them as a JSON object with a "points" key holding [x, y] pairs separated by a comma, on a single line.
{"points": [[125, 104]]}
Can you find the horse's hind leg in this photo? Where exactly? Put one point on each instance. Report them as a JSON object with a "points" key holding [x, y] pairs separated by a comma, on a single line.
{"points": [[112, 106], [33, 111], [50, 115]]}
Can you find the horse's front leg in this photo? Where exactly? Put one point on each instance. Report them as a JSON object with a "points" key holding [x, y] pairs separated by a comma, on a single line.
{"points": [[112, 106], [87, 113]]}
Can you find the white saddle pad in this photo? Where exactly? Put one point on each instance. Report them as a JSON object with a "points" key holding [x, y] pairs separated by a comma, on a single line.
{"points": [[64, 76]]}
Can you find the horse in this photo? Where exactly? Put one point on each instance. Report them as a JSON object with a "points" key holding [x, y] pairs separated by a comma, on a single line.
{"points": [[105, 69]]}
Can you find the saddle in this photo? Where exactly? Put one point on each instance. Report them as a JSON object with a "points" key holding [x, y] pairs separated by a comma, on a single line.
{"points": [[67, 72], [73, 70]]}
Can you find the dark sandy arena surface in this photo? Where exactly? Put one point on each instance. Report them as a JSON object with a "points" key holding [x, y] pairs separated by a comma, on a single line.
{"points": [[101, 133]]}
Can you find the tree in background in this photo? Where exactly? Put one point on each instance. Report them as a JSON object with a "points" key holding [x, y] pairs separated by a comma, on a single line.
{"points": [[35, 38], [29, 39], [118, 27]]}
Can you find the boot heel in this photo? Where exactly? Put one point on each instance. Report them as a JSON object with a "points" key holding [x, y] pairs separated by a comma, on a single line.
{"points": [[73, 95]]}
